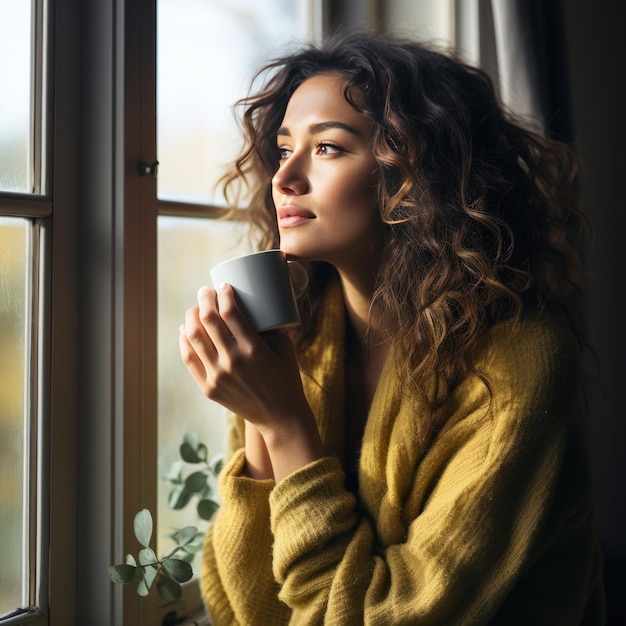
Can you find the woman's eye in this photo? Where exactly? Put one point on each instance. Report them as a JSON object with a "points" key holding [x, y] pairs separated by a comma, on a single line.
{"points": [[327, 148], [284, 153]]}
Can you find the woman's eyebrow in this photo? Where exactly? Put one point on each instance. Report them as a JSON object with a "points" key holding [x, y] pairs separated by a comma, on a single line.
{"points": [[321, 126]]}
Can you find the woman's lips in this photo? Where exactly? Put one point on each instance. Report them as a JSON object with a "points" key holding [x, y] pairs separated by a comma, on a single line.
{"points": [[290, 216]]}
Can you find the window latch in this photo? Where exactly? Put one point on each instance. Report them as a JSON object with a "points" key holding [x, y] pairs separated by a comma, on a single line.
{"points": [[148, 169]]}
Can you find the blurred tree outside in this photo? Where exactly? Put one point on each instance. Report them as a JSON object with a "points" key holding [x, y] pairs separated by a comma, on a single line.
{"points": [[13, 405]]}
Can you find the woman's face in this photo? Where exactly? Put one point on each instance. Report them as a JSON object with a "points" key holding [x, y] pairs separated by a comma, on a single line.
{"points": [[325, 188]]}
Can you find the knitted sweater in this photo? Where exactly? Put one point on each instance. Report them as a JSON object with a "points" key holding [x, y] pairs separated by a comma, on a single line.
{"points": [[491, 523]]}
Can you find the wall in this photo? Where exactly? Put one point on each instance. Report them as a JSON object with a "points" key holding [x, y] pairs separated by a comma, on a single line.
{"points": [[596, 48]]}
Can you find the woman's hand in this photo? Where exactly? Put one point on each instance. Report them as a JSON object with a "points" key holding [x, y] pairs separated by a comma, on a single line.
{"points": [[234, 366], [254, 378]]}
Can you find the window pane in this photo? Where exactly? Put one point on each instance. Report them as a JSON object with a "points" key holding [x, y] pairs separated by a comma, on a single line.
{"points": [[207, 53], [14, 410], [187, 249], [15, 102]]}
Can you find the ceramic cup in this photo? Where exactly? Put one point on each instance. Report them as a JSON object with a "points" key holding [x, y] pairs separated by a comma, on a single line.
{"points": [[266, 286]]}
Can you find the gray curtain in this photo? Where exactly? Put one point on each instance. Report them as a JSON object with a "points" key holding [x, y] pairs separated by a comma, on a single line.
{"points": [[520, 44]]}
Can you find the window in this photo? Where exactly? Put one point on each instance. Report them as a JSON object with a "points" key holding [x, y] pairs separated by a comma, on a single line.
{"points": [[15, 78], [197, 138], [15, 415], [24, 277]]}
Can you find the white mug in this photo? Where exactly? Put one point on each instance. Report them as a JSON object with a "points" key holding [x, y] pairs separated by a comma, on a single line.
{"points": [[266, 287]]}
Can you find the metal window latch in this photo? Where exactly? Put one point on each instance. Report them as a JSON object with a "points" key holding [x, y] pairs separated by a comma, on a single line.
{"points": [[148, 169]]}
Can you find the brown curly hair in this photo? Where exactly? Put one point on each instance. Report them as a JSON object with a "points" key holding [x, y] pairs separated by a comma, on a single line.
{"points": [[481, 209]]}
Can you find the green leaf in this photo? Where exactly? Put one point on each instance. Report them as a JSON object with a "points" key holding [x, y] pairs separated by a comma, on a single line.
{"points": [[139, 573], [142, 589], [191, 439], [217, 463], [196, 482], [193, 450], [207, 492], [130, 560], [173, 534], [178, 570], [186, 535], [145, 582], [168, 589], [170, 552], [122, 573], [194, 547], [192, 454], [147, 557], [142, 525], [207, 508], [179, 498], [186, 556]]}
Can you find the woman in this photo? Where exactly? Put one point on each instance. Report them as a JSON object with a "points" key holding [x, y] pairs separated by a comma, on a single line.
{"points": [[416, 452]]}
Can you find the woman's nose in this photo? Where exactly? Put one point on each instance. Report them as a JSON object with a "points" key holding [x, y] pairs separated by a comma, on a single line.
{"points": [[291, 177]]}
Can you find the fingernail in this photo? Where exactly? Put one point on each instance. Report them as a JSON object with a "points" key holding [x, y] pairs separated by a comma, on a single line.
{"points": [[202, 291]]}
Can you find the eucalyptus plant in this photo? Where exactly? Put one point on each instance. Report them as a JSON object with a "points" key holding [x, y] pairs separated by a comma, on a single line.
{"points": [[167, 573], [147, 570], [200, 483]]}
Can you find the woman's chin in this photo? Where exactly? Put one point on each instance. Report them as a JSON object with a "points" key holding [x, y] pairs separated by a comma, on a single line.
{"points": [[292, 252]]}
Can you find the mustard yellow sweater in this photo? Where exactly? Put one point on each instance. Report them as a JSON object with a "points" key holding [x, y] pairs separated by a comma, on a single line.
{"points": [[492, 524]]}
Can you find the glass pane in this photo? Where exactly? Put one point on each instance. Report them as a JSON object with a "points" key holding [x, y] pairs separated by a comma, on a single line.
{"points": [[207, 53], [14, 325], [187, 249], [15, 103]]}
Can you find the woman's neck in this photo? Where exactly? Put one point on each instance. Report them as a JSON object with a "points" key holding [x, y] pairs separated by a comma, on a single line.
{"points": [[357, 292]]}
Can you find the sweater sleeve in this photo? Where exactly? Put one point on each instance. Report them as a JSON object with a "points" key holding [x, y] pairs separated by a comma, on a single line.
{"points": [[478, 516], [236, 579]]}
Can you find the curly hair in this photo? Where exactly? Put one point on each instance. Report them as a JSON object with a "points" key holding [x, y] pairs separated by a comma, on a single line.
{"points": [[481, 210]]}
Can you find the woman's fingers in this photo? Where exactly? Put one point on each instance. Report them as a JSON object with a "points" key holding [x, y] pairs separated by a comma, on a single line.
{"points": [[197, 335], [215, 337], [196, 346], [190, 358], [237, 326]]}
